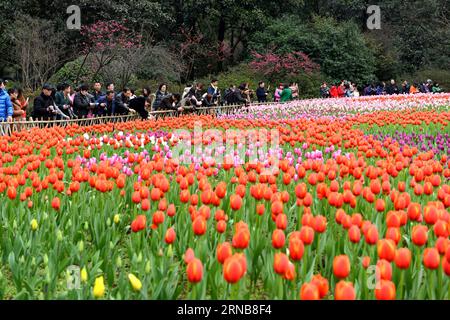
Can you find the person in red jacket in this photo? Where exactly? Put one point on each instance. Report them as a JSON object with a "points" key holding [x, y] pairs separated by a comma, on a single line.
{"points": [[334, 91]]}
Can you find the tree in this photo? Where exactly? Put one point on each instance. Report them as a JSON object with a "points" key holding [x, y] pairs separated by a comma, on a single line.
{"points": [[281, 66], [38, 50], [339, 48], [103, 41]]}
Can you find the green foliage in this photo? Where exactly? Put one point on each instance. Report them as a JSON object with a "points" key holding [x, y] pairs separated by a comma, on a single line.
{"points": [[440, 76], [68, 73], [242, 73], [339, 48]]}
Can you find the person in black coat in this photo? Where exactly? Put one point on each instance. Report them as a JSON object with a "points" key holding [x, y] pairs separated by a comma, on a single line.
{"points": [[140, 105], [83, 103], [170, 103], [123, 102], [107, 104], [43, 106], [392, 88], [261, 93]]}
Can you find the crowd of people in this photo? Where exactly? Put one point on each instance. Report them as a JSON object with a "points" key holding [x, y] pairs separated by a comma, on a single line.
{"points": [[65, 102], [350, 89]]}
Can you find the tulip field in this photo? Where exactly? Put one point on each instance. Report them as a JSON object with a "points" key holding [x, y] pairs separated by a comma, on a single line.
{"points": [[355, 206]]}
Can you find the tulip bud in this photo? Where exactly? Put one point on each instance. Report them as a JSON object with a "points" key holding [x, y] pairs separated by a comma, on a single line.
{"points": [[170, 251], [33, 262], [45, 258], [59, 235], [108, 222], [111, 245], [160, 252], [135, 282], [116, 219], [147, 267], [86, 225], [69, 223], [34, 225], [80, 246], [45, 216], [14, 224], [22, 259], [99, 287], [47, 276], [84, 275], [118, 262], [139, 258]]}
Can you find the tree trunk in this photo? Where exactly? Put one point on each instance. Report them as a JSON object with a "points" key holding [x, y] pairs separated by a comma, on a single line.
{"points": [[221, 38]]}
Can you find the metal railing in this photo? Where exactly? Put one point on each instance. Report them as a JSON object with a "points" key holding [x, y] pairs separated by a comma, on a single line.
{"points": [[6, 128]]}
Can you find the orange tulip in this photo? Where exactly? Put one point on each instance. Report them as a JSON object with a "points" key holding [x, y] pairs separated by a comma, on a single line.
{"points": [[383, 270], [344, 290], [224, 251], [419, 235], [199, 226], [309, 291], [322, 284], [385, 290], [139, 223], [194, 270], [403, 258], [386, 249], [431, 258], [278, 238], [170, 236], [341, 266], [280, 263], [233, 269]]}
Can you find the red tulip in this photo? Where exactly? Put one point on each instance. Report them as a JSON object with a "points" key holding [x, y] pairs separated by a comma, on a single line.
{"points": [[233, 269], [280, 263], [278, 238], [385, 290], [354, 234], [309, 291], [221, 226], [419, 235], [431, 258], [56, 203], [199, 226], [194, 270], [139, 223], [386, 249], [403, 258], [224, 251], [383, 270], [296, 248], [341, 266], [371, 235], [170, 236], [235, 202], [189, 255], [307, 234], [322, 285], [241, 239], [344, 291]]}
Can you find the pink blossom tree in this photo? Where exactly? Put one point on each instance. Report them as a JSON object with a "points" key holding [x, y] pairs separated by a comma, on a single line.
{"points": [[103, 41], [280, 66]]}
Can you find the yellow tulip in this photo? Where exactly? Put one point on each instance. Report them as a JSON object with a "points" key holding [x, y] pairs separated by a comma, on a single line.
{"points": [[99, 287], [84, 275], [116, 219], [34, 225], [135, 282]]}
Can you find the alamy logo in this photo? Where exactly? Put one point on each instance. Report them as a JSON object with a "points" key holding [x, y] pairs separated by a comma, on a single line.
{"points": [[374, 19], [73, 277], [73, 22]]}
